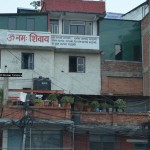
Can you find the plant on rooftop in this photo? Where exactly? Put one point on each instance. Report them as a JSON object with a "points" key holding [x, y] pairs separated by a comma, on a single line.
{"points": [[120, 104]]}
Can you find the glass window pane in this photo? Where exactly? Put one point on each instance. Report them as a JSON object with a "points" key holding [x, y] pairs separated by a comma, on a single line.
{"points": [[66, 25], [73, 29], [12, 24], [95, 146], [80, 60], [81, 30], [81, 64], [108, 146], [27, 61], [44, 140], [72, 64], [14, 139], [30, 24], [89, 28], [54, 26], [80, 68]]}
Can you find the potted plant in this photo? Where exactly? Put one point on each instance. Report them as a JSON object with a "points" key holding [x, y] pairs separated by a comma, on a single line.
{"points": [[105, 107], [53, 99], [87, 107], [47, 102], [67, 101], [78, 104], [95, 105], [120, 104], [38, 102]]}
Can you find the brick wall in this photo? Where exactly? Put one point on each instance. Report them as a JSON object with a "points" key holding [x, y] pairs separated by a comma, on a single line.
{"points": [[122, 78], [17, 112], [114, 118], [81, 142], [67, 141], [123, 145], [146, 64]]}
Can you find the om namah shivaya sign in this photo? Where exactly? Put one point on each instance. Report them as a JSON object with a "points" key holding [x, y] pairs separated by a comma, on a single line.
{"points": [[16, 37]]}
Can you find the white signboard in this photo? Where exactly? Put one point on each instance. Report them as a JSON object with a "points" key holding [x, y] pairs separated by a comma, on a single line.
{"points": [[75, 42], [16, 37]]}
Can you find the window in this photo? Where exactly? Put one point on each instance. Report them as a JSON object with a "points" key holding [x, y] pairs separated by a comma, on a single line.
{"points": [[40, 139], [76, 64], [137, 53], [102, 142], [12, 23], [77, 27], [27, 61], [118, 52], [30, 24], [45, 139], [14, 139], [142, 146], [54, 26]]}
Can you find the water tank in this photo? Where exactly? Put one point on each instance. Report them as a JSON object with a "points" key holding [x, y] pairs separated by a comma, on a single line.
{"points": [[41, 83]]}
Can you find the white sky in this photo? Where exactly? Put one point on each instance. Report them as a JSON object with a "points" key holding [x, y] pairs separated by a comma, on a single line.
{"points": [[118, 6]]}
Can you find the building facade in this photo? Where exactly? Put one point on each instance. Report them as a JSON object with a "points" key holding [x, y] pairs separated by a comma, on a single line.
{"points": [[88, 58]]}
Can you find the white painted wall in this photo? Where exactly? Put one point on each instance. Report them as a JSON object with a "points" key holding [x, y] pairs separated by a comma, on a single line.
{"points": [[43, 66], [137, 14], [78, 83], [50, 64]]}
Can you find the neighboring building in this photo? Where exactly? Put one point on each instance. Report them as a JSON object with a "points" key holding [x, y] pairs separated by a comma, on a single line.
{"points": [[145, 24], [137, 13], [24, 21], [73, 61]]}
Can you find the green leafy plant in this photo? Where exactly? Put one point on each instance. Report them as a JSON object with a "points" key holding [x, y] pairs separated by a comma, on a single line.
{"points": [[37, 100], [120, 104], [67, 99], [52, 97], [105, 105], [95, 104]]}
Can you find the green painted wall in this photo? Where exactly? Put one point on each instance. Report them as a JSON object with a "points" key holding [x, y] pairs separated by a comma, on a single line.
{"points": [[40, 21], [123, 32]]}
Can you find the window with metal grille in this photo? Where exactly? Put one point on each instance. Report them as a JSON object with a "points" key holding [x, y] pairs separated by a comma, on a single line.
{"points": [[77, 64], [102, 142], [118, 52], [77, 27], [27, 61], [54, 26]]}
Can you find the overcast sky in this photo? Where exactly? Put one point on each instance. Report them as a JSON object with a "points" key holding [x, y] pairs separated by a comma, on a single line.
{"points": [[118, 6]]}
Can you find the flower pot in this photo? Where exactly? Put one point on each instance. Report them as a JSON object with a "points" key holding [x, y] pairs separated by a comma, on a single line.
{"points": [[96, 110], [68, 105], [88, 109], [55, 104]]}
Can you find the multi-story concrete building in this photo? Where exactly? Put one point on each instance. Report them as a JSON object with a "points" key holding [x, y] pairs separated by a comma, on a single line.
{"points": [[80, 63]]}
